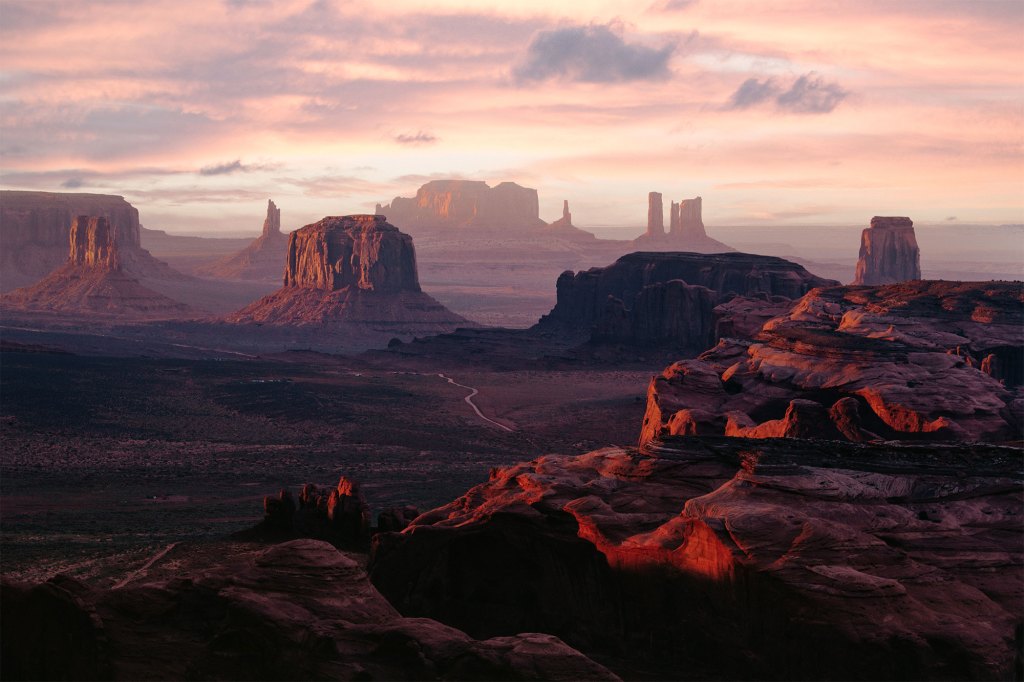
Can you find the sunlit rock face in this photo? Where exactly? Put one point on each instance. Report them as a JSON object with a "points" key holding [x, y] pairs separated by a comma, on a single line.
{"points": [[299, 610], [351, 269], [93, 280], [888, 252], [738, 559], [918, 360], [649, 298], [362, 251], [466, 204]]}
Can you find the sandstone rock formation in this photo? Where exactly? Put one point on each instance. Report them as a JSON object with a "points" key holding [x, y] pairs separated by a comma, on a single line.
{"points": [[735, 559], [261, 260], [686, 228], [888, 252], [35, 228], [655, 215], [466, 205], [93, 281], [337, 515], [296, 611], [355, 269], [904, 361], [652, 298], [564, 229]]}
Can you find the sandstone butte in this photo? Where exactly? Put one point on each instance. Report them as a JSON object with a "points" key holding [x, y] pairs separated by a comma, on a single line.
{"points": [[648, 299], [888, 252], [300, 610], [466, 204], [34, 230], [686, 228], [93, 280], [918, 360], [351, 269], [261, 260]]}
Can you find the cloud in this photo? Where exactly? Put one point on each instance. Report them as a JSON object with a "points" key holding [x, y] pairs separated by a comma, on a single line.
{"points": [[751, 92], [73, 183], [671, 5], [591, 54], [415, 139], [808, 94]]}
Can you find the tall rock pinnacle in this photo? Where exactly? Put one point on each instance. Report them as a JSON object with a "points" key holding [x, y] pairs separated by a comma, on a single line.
{"points": [[888, 252], [272, 224], [655, 215], [673, 220], [691, 223]]}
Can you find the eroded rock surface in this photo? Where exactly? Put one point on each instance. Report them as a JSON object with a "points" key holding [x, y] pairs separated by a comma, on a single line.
{"points": [[93, 280], [352, 269], [466, 204], [654, 298], [296, 611], [736, 559], [261, 260], [918, 360], [888, 252], [35, 228]]}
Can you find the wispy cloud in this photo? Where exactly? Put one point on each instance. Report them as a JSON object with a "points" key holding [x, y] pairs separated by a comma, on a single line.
{"points": [[808, 94], [235, 166], [592, 54], [415, 138]]}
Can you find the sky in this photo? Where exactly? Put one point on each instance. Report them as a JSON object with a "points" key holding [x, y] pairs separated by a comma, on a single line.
{"points": [[798, 112]]}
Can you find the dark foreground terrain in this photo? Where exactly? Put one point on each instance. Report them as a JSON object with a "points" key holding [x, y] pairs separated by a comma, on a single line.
{"points": [[107, 461]]}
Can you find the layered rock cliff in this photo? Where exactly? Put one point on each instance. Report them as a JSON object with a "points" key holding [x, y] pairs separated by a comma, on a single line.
{"points": [[888, 252], [919, 360], [466, 204], [730, 559], [652, 298], [351, 269], [94, 281], [35, 228], [300, 610], [261, 260]]}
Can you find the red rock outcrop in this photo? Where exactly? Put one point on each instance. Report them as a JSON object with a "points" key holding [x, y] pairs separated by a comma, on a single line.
{"points": [[35, 229], [355, 269], [686, 228], [338, 515], [637, 299], [736, 559], [93, 281], [466, 205], [296, 611], [261, 260], [655, 215], [912, 357], [888, 252]]}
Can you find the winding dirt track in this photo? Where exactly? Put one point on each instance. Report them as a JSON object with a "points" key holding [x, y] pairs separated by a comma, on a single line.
{"points": [[469, 401]]}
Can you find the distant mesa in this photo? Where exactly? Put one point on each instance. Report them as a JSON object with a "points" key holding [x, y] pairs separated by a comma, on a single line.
{"points": [[472, 206], [655, 298], [261, 260], [93, 280], [351, 269], [686, 228], [34, 231], [888, 252]]}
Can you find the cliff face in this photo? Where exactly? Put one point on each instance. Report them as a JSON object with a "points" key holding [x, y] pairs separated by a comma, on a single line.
{"points": [[261, 260], [35, 228], [888, 252], [735, 559], [355, 269], [691, 221], [913, 361], [93, 280], [637, 297], [361, 251], [466, 204]]}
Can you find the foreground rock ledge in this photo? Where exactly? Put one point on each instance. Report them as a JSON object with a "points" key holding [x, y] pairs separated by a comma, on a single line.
{"points": [[297, 611], [739, 558]]}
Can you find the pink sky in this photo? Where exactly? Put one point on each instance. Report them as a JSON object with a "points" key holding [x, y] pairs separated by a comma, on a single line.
{"points": [[783, 112]]}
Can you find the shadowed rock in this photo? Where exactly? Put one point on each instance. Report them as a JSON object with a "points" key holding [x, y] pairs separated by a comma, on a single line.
{"points": [[655, 215]]}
